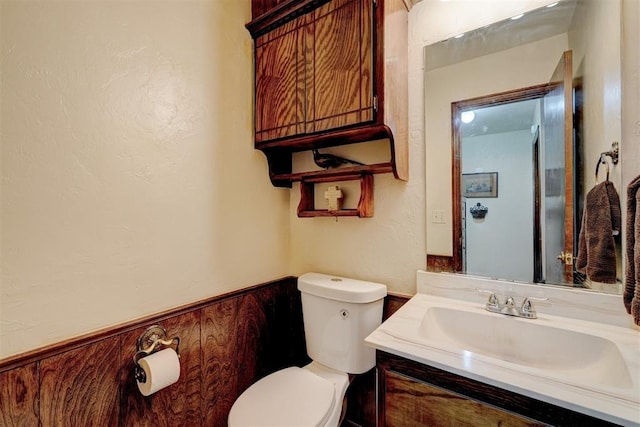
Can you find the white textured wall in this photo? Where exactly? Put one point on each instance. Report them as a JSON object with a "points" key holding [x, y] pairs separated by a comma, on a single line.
{"points": [[1, 97], [597, 25], [630, 143], [129, 179]]}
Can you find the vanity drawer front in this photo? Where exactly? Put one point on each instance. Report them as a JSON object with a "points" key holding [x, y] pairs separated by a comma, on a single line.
{"points": [[409, 402], [415, 394]]}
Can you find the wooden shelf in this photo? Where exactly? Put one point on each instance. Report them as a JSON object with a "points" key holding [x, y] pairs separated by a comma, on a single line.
{"points": [[306, 207], [325, 213], [333, 175], [279, 155]]}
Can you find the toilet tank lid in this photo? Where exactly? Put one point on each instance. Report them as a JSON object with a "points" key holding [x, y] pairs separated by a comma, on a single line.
{"points": [[341, 288]]}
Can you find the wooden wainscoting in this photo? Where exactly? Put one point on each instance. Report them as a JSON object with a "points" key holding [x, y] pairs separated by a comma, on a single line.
{"points": [[227, 343]]}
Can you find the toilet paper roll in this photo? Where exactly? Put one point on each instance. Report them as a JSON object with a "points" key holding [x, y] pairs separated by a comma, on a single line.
{"points": [[161, 369]]}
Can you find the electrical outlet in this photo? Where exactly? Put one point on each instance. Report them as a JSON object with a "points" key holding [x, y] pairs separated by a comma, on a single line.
{"points": [[437, 216]]}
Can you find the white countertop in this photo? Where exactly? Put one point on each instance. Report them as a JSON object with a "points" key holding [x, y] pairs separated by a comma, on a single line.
{"points": [[400, 335]]}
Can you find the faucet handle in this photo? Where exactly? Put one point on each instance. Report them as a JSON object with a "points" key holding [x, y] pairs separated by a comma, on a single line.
{"points": [[492, 303], [527, 310], [509, 307]]}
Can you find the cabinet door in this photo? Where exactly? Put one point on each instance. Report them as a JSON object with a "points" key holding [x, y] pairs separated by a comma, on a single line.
{"points": [[279, 62], [339, 65], [409, 402]]}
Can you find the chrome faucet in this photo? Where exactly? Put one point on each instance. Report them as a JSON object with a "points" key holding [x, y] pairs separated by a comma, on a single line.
{"points": [[526, 309]]}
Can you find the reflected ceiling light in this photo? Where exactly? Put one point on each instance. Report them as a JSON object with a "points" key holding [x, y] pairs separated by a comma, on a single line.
{"points": [[458, 36], [513, 18], [553, 4], [467, 116]]}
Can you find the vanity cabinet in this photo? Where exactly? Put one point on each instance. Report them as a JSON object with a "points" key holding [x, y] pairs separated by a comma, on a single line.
{"points": [[410, 402], [413, 394], [330, 73]]}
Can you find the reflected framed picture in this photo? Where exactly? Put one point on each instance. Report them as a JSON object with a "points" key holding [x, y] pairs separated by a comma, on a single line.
{"points": [[480, 184]]}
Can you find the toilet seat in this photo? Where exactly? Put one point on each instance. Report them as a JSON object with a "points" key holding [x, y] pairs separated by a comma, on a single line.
{"points": [[289, 397]]}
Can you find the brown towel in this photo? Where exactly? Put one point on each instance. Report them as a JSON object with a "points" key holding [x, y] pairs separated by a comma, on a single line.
{"points": [[596, 246], [631, 295]]}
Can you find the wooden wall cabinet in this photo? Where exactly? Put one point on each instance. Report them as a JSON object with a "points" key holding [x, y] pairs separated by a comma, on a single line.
{"points": [[329, 73], [413, 394], [260, 7]]}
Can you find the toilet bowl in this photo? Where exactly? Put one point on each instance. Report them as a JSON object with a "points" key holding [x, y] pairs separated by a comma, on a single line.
{"points": [[308, 396], [338, 314]]}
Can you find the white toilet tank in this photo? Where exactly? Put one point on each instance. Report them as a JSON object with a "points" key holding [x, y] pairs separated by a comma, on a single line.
{"points": [[339, 313]]}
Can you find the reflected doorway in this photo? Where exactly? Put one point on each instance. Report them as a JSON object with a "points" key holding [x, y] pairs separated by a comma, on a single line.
{"points": [[506, 159]]}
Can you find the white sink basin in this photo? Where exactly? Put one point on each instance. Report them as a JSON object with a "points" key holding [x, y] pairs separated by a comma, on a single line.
{"points": [[533, 343], [581, 353]]}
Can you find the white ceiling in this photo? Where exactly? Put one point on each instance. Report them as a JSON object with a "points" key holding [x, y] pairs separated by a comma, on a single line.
{"points": [[535, 25], [510, 117]]}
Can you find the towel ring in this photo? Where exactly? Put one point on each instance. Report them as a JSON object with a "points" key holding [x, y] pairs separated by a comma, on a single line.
{"points": [[614, 154], [602, 160]]}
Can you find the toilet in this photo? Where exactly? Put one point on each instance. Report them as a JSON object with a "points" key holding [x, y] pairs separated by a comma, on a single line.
{"points": [[338, 314]]}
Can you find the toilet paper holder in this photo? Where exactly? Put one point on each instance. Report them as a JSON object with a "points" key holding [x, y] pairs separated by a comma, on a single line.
{"points": [[150, 341]]}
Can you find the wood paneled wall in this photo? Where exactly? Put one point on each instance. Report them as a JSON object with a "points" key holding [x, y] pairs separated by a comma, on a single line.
{"points": [[227, 343]]}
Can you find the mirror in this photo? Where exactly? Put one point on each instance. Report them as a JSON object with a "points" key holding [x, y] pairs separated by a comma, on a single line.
{"points": [[481, 72]]}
